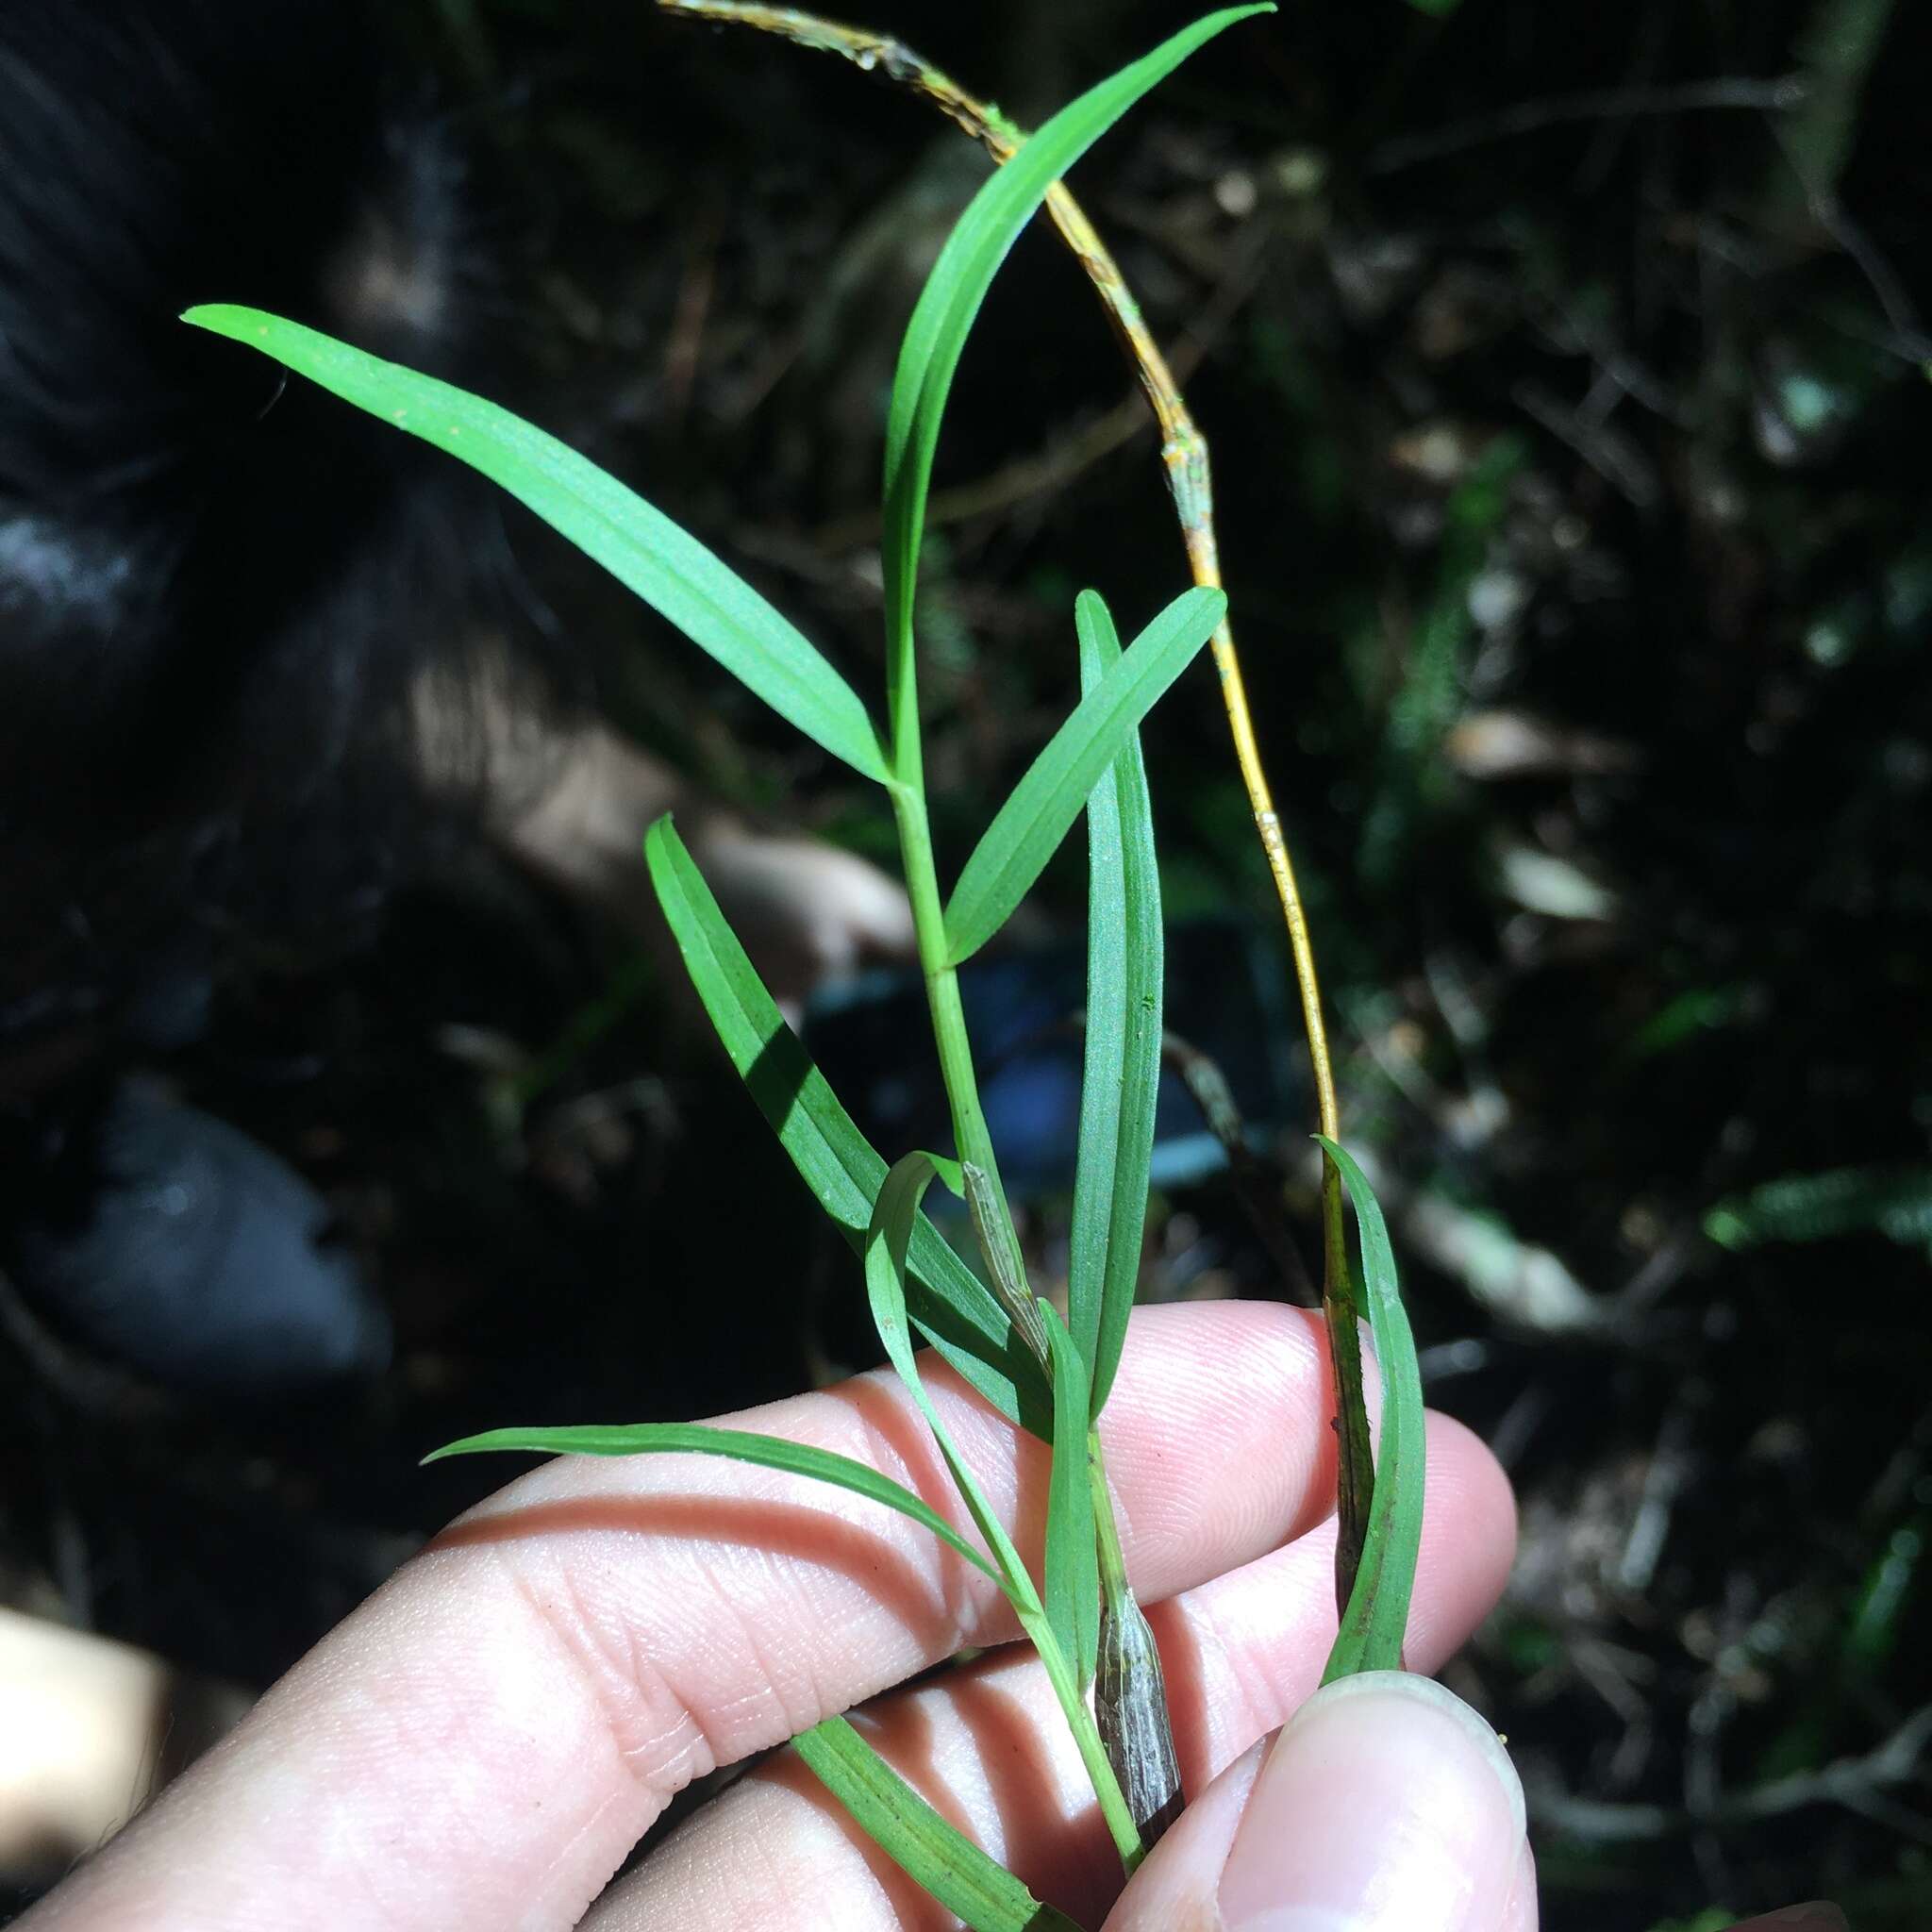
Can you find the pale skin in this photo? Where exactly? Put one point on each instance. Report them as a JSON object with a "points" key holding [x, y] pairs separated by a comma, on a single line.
{"points": [[805, 910], [482, 1743]]}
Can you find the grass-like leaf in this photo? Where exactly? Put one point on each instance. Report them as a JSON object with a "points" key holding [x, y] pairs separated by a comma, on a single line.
{"points": [[932, 1853], [952, 1307], [886, 1240], [1120, 1076], [1072, 1576], [885, 1280], [949, 301], [1042, 808], [641, 548], [740, 1445], [1377, 1609]]}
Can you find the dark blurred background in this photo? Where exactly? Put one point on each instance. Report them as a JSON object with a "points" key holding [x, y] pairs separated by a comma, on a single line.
{"points": [[1565, 376]]}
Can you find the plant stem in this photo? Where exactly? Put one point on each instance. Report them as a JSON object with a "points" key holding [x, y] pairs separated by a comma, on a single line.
{"points": [[1184, 454], [1100, 1772], [971, 1135], [974, 1143], [1113, 1565]]}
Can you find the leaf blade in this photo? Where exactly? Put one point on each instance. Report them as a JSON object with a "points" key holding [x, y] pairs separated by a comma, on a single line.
{"points": [[952, 1307], [931, 1852], [1376, 1614], [1041, 808], [639, 545], [887, 1238], [943, 316], [1120, 1084], [1102, 1066], [1070, 1574], [740, 1445], [885, 1279]]}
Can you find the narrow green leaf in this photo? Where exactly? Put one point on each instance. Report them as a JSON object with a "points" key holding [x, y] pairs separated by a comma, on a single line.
{"points": [[740, 1445], [641, 548], [949, 301], [886, 1240], [1072, 1573], [1377, 1611], [885, 1280], [1103, 1067], [1043, 806], [935, 1854], [951, 1305], [1121, 1079]]}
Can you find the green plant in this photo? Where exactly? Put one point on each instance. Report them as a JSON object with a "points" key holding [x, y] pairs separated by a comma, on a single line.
{"points": [[1043, 1374]]}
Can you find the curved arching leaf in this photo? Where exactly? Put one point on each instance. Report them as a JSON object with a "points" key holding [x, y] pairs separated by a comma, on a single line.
{"points": [[1120, 1081], [944, 314], [639, 545], [1377, 1609], [1042, 808], [740, 1445]]}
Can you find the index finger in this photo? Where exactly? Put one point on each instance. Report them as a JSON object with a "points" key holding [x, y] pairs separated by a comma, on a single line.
{"points": [[484, 1740]]}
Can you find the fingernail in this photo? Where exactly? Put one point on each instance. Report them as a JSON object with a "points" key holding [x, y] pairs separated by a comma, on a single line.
{"points": [[1820, 1915], [1384, 1802]]}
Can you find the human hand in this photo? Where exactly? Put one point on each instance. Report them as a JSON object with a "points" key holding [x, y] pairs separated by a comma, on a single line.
{"points": [[805, 911], [482, 1743]]}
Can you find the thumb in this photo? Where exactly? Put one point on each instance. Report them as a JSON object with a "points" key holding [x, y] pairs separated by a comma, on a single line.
{"points": [[1384, 1803]]}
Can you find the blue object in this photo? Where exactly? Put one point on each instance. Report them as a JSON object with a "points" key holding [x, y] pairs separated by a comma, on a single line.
{"points": [[872, 1040]]}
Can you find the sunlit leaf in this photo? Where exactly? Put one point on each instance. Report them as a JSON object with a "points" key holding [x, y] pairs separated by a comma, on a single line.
{"points": [[1121, 1079], [949, 301], [1043, 806], [1071, 1579], [740, 1445], [952, 1307], [641, 548], [885, 1280], [886, 1242], [1378, 1609], [936, 1854]]}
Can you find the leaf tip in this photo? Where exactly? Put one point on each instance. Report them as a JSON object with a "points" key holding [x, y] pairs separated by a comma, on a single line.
{"points": [[232, 319]]}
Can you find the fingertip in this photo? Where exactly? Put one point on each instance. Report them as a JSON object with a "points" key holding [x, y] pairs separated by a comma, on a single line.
{"points": [[1520, 1914], [1385, 1800], [1176, 1883]]}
